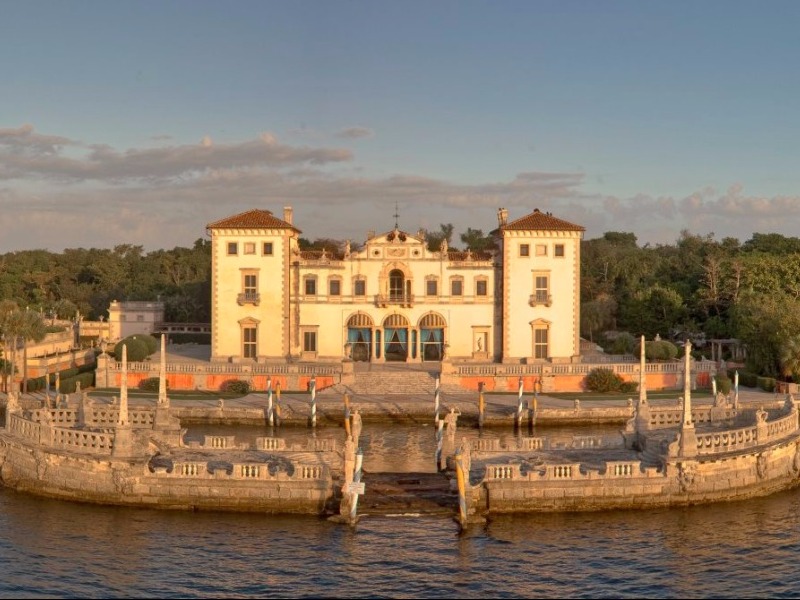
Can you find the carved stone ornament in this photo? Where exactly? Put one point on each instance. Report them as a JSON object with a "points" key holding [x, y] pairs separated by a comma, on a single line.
{"points": [[686, 476], [761, 465]]}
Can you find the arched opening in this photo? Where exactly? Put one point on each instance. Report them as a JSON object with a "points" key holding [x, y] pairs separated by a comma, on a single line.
{"points": [[431, 330], [396, 284], [359, 336], [395, 338]]}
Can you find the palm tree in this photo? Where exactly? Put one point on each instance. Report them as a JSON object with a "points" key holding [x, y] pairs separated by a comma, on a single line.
{"points": [[8, 335], [790, 358], [31, 328]]}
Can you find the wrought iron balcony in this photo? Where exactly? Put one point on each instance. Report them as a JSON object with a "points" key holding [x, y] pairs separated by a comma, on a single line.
{"points": [[540, 298], [248, 298], [382, 300]]}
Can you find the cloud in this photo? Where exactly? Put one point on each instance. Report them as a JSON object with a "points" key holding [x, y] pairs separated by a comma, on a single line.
{"points": [[161, 197], [354, 133], [104, 163]]}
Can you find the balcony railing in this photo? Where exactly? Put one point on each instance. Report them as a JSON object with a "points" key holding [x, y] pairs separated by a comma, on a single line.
{"points": [[540, 298], [248, 298], [382, 300]]}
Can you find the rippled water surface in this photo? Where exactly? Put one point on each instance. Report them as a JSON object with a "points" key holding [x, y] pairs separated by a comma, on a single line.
{"points": [[59, 549]]}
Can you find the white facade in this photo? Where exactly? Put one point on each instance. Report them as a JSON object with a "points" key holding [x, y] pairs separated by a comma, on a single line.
{"points": [[134, 317], [394, 300]]}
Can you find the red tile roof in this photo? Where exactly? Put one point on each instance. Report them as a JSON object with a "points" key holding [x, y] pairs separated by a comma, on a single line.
{"points": [[252, 219], [538, 220], [457, 255]]}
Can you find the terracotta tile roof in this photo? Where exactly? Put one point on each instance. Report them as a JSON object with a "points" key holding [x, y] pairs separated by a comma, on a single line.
{"points": [[252, 219], [538, 220]]}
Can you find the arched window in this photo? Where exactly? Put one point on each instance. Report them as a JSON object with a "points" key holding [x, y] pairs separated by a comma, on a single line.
{"points": [[396, 284]]}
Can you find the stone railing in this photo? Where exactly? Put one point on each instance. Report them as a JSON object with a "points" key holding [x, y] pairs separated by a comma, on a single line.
{"points": [[243, 369], [23, 428], [746, 437], [78, 440], [569, 472], [672, 416], [241, 471], [96, 417], [584, 368], [270, 443]]}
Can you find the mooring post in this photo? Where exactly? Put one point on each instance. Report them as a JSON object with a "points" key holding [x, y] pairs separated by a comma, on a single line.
{"points": [[347, 416], [313, 385], [462, 490], [519, 403], [436, 403], [481, 406], [357, 487], [439, 442], [277, 409], [270, 416]]}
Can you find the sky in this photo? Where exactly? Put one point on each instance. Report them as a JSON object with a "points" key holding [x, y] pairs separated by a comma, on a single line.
{"points": [[142, 122]]}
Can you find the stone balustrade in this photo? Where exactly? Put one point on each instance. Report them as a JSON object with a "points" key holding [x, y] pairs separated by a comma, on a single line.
{"points": [[270, 443], [219, 442], [626, 367], [78, 440], [570, 472], [241, 471], [746, 437], [23, 428]]}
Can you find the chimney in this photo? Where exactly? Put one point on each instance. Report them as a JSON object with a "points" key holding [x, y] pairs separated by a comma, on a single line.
{"points": [[287, 214], [502, 217]]}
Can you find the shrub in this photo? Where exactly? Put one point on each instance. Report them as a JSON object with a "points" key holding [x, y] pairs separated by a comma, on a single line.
{"points": [[625, 343], [766, 383], [235, 386], [724, 384], [137, 350], [628, 387], [151, 384], [54, 329], [603, 380], [150, 342], [660, 350], [68, 386]]}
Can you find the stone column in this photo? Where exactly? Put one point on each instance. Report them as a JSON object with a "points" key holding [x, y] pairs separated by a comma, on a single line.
{"points": [[123, 435], [688, 437]]}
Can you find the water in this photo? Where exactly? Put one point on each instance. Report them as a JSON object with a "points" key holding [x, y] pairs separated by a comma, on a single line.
{"points": [[59, 549]]}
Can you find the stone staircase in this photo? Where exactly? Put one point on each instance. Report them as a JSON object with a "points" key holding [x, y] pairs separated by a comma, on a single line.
{"points": [[386, 382]]}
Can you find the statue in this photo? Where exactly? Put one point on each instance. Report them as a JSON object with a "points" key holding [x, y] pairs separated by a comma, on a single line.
{"points": [[356, 425], [450, 423], [466, 457], [347, 249], [443, 247]]}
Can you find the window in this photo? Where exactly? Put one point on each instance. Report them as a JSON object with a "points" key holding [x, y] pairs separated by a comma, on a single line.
{"points": [[250, 283], [431, 287], [542, 288], [456, 287], [311, 286], [334, 287], [540, 342], [266, 249], [249, 342], [541, 250], [233, 248], [309, 341], [140, 318], [481, 287], [359, 287], [558, 250], [524, 249], [249, 247]]}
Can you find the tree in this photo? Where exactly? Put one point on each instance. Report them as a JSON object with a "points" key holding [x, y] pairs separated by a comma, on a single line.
{"points": [[435, 239], [31, 328], [475, 241], [790, 358]]}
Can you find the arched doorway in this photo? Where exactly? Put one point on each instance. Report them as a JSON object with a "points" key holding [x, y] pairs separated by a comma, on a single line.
{"points": [[359, 336], [395, 338], [431, 332], [396, 284]]}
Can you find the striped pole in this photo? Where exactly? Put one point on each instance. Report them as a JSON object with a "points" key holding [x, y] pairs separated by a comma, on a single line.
{"points": [[481, 406], [346, 416], [736, 389], [356, 481], [270, 416], [436, 403], [534, 406], [519, 403], [439, 442], [313, 384], [277, 410], [462, 490]]}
